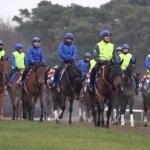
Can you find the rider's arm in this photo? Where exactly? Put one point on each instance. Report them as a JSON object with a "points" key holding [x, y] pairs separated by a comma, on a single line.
{"points": [[96, 54], [25, 61], [61, 53], [147, 62], [13, 61], [115, 60], [42, 57], [119, 59], [29, 56], [133, 59], [74, 52], [78, 64]]}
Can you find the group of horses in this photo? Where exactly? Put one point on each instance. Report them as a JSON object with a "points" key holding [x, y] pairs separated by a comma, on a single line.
{"points": [[71, 87]]}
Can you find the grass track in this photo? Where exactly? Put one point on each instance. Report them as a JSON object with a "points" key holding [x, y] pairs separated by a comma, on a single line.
{"points": [[25, 135]]}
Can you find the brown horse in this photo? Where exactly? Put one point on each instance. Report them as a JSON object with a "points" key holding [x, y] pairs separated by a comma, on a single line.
{"points": [[108, 82], [14, 93], [33, 88], [3, 82]]}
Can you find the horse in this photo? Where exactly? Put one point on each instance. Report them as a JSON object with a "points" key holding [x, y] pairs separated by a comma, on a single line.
{"points": [[127, 97], [14, 93], [70, 87], [3, 82], [109, 81], [48, 103], [84, 107], [33, 88]]}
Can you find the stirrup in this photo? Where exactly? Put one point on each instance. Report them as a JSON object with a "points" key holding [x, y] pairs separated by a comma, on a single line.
{"points": [[92, 88], [55, 85]]}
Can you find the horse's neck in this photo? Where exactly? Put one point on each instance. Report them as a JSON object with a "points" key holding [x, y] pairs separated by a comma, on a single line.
{"points": [[106, 73], [127, 82]]}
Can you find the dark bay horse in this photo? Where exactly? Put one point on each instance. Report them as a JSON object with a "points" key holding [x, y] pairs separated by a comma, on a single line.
{"points": [[108, 82], [127, 97], [70, 87], [3, 82], [34, 88], [14, 93]]}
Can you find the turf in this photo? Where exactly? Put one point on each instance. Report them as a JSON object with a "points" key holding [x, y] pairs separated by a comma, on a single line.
{"points": [[25, 135]]}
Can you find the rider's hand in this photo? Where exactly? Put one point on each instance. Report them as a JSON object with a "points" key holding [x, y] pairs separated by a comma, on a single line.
{"points": [[71, 60], [35, 64], [17, 69], [105, 62]]}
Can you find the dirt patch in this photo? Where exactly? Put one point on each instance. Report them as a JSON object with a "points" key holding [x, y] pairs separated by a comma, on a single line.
{"points": [[138, 127]]}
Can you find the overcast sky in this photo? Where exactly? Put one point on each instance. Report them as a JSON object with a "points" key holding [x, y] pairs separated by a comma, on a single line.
{"points": [[9, 8]]}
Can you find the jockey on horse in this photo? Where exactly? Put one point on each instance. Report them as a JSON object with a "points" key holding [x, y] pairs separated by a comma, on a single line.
{"points": [[18, 60], [126, 57], [118, 50], [34, 56], [3, 54], [83, 64], [103, 52], [145, 77], [68, 53]]}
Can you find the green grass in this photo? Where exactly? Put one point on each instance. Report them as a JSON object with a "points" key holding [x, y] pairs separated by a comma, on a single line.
{"points": [[24, 135]]}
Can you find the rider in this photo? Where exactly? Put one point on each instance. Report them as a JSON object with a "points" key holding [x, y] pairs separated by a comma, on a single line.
{"points": [[145, 77], [2, 52], [18, 61], [67, 52], [103, 52], [34, 56], [126, 57], [118, 50], [83, 64]]}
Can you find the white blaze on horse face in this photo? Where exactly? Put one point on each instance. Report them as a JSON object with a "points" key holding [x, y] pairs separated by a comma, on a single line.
{"points": [[145, 119], [122, 120], [55, 114], [131, 120]]}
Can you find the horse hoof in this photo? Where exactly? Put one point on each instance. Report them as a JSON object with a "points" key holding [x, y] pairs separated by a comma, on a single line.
{"points": [[81, 119], [60, 117], [112, 122], [107, 126], [122, 124], [132, 124], [48, 118], [145, 125], [41, 120], [70, 122]]}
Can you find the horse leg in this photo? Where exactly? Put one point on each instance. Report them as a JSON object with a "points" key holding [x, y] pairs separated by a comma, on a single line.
{"points": [[102, 114], [29, 105], [24, 104], [13, 107], [2, 105], [122, 112], [63, 106], [70, 110], [92, 102], [145, 112], [17, 108], [42, 107], [108, 114], [33, 107], [117, 115], [131, 114], [20, 106]]}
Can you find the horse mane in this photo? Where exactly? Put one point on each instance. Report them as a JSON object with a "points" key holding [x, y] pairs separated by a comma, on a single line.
{"points": [[36, 67]]}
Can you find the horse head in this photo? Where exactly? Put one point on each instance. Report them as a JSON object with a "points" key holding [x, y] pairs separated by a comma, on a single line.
{"points": [[4, 67], [132, 69], [75, 78], [116, 74], [39, 74]]}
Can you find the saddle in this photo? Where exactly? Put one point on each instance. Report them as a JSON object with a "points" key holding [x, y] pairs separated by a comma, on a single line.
{"points": [[51, 73], [14, 75]]}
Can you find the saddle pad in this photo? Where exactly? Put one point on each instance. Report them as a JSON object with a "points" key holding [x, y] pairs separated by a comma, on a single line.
{"points": [[87, 81], [27, 76], [50, 79], [20, 77]]}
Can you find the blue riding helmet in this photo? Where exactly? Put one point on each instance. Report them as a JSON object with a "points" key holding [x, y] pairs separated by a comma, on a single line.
{"points": [[1, 42], [69, 35], [87, 55], [36, 39], [119, 48], [125, 46], [104, 33], [18, 46]]}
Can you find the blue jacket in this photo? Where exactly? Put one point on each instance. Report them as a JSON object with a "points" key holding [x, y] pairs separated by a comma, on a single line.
{"points": [[147, 62], [35, 55], [67, 51], [13, 61], [83, 66]]}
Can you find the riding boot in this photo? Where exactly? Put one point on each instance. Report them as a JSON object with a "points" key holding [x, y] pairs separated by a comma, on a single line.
{"points": [[92, 77], [8, 86]]}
